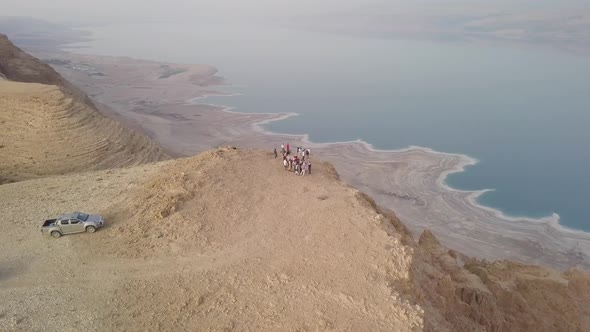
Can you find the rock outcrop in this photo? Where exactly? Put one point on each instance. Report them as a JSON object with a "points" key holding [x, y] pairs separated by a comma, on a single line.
{"points": [[459, 293]]}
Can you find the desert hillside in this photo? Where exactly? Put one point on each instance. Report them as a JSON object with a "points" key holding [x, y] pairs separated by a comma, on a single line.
{"points": [[230, 240], [19, 66], [48, 126], [45, 132]]}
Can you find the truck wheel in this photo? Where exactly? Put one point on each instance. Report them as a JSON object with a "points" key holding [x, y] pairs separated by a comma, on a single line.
{"points": [[55, 234], [91, 229]]}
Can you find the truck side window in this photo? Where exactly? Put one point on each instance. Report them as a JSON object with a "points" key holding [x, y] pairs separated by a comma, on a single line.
{"points": [[64, 222], [74, 221]]}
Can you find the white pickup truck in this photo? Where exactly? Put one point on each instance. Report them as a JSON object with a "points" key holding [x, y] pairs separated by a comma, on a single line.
{"points": [[76, 222]]}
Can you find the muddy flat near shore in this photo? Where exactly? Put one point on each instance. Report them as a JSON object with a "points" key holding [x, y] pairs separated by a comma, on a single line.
{"points": [[155, 97]]}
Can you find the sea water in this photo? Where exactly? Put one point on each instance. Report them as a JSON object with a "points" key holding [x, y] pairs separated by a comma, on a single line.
{"points": [[523, 113]]}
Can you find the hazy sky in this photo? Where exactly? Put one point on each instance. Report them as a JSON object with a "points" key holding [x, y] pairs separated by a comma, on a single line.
{"points": [[563, 24], [163, 9], [74, 10]]}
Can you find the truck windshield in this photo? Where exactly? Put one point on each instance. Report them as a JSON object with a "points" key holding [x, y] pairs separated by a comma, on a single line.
{"points": [[82, 216]]}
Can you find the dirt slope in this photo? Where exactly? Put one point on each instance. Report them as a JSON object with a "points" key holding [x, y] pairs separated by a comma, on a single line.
{"points": [[44, 132], [224, 240]]}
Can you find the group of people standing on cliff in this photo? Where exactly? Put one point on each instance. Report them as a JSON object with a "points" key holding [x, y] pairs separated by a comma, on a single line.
{"points": [[298, 162]]}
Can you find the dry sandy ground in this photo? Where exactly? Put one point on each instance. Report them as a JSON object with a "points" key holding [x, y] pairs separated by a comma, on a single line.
{"points": [[408, 182], [224, 240], [45, 284]]}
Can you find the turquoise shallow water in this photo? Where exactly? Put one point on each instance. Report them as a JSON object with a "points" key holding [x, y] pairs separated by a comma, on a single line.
{"points": [[524, 114]]}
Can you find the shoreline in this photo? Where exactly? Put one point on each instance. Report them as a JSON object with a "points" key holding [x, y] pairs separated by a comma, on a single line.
{"points": [[409, 181], [552, 220]]}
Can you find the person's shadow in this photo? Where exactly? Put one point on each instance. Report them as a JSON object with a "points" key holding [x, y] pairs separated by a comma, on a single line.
{"points": [[9, 270]]}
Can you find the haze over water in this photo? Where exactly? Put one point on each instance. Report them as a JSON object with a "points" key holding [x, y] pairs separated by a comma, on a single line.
{"points": [[523, 113]]}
